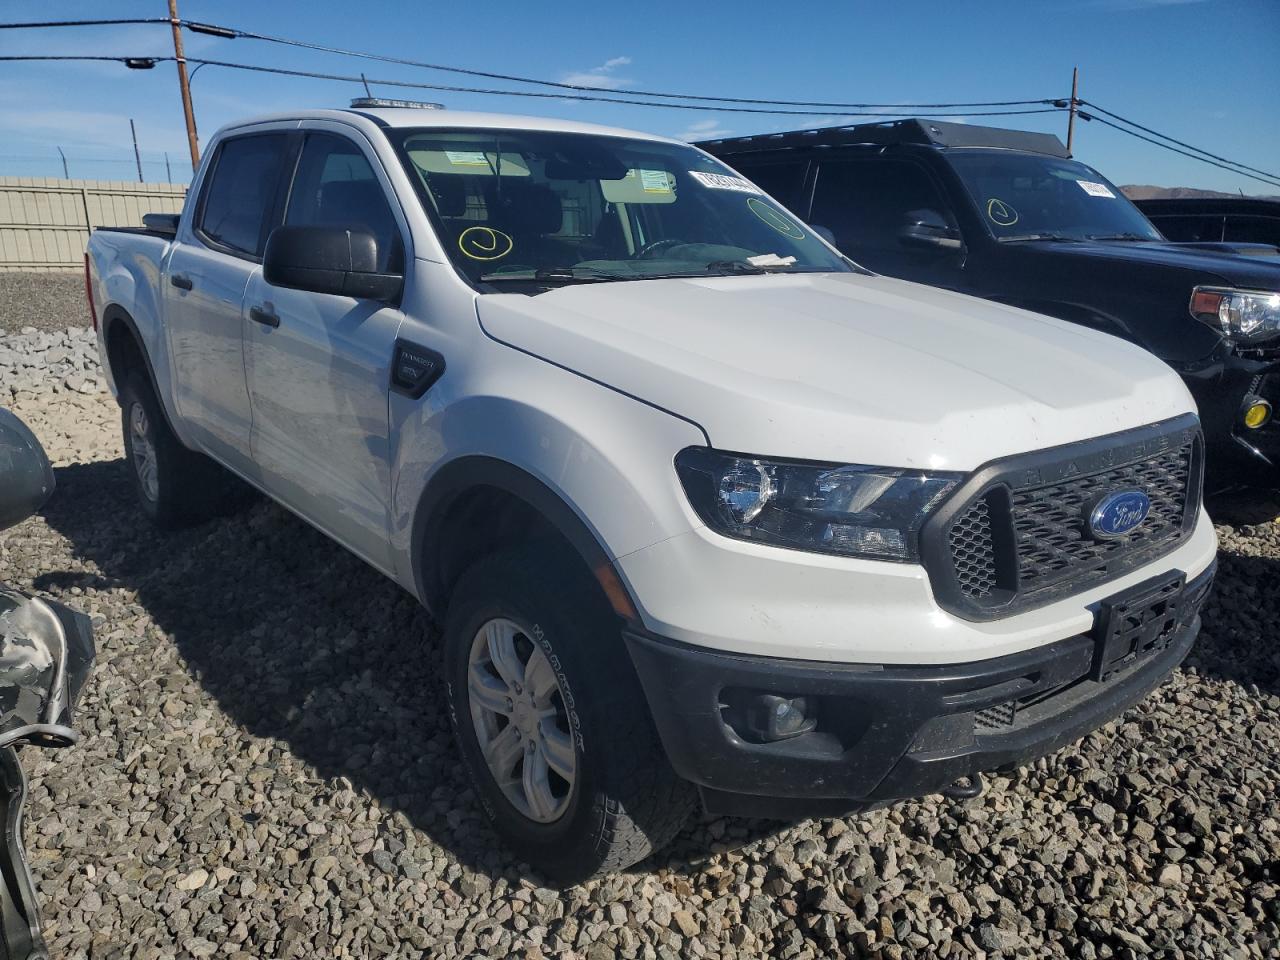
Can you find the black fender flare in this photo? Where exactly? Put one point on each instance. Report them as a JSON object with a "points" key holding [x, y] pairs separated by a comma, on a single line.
{"points": [[112, 316], [465, 474]]}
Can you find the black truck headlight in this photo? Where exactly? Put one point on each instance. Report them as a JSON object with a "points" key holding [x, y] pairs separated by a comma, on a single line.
{"points": [[852, 510], [1238, 314]]}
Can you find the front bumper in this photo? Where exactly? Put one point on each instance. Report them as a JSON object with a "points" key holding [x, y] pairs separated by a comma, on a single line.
{"points": [[1237, 454], [885, 732]]}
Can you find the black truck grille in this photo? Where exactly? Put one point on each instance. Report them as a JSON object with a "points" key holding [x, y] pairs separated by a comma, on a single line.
{"points": [[1016, 535]]}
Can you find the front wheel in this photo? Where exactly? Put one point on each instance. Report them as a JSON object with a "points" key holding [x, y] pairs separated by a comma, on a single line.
{"points": [[552, 724]]}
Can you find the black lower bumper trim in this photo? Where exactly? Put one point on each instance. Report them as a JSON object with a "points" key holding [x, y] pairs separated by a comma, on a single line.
{"points": [[884, 733]]}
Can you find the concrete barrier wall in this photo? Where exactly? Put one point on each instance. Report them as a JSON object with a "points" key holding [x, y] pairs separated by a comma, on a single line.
{"points": [[45, 222]]}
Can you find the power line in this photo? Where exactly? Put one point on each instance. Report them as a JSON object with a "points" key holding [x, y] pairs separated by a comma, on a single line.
{"points": [[539, 94], [145, 62], [236, 33], [82, 23], [1185, 153], [153, 60], [547, 95], [515, 78], [1180, 143]]}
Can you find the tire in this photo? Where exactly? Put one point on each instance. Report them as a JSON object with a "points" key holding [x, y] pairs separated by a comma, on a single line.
{"points": [[176, 487], [623, 801]]}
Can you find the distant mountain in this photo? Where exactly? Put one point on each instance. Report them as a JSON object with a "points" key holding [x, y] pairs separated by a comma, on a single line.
{"points": [[1142, 191]]}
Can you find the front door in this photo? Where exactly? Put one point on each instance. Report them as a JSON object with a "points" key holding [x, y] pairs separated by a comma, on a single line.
{"points": [[204, 290], [873, 205], [318, 365]]}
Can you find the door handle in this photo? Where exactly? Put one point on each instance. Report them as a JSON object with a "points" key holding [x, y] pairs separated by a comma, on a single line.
{"points": [[180, 280], [265, 315]]}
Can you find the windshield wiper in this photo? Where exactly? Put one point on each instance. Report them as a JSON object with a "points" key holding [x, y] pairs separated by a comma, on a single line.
{"points": [[554, 275], [1059, 237], [1120, 236]]}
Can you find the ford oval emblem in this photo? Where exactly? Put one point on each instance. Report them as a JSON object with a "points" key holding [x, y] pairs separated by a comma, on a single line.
{"points": [[1118, 513]]}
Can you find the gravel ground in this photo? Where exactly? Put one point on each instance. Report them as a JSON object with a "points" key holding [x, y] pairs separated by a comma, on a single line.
{"points": [[47, 301], [266, 771]]}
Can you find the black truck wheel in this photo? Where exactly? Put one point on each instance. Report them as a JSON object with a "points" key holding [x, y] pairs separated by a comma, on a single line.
{"points": [[553, 727], [176, 487]]}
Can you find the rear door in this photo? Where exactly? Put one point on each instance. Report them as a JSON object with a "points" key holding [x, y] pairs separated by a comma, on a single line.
{"points": [[318, 365], [204, 288]]}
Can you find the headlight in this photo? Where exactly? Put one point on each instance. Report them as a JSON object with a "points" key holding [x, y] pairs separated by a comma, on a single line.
{"points": [[856, 511], [1239, 314]]}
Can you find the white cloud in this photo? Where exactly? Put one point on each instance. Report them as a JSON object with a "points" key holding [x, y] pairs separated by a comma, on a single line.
{"points": [[703, 130], [601, 76]]}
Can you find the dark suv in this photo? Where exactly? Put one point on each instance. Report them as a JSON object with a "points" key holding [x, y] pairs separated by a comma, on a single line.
{"points": [[1009, 216]]}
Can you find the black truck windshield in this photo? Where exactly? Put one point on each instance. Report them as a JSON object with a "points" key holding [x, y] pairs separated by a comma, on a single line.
{"points": [[535, 207], [1025, 197]]}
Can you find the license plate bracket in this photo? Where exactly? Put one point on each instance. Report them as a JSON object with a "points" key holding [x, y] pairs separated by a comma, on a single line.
{"points": [[1137, 623]]}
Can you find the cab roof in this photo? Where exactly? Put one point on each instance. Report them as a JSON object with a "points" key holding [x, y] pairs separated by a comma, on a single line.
{"points": [[392, 117], [933, 133]]}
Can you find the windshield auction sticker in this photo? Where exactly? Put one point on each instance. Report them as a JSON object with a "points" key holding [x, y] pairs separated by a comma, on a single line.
{"points": [[655, 181], [484, 243], [721, 181], [467, 158], [1000, 213], [775, 219], [1096, 189]]}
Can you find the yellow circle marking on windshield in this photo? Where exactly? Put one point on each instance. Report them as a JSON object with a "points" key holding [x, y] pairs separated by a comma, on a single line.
{"points": [[484, 243], [1001, 213], [774, 219]]}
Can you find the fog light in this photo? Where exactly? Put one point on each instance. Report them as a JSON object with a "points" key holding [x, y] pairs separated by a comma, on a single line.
{"points": [[772, 717], [1255, 413]]}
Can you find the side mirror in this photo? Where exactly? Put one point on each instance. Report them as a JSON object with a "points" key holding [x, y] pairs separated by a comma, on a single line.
{"points": [[26, 478], [928, 228], [824, 232], [328, 260]]}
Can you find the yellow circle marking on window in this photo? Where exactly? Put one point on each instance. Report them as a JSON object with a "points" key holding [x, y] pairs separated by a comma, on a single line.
{"points": [[1001, 213], [484, 243], [774, 219]]}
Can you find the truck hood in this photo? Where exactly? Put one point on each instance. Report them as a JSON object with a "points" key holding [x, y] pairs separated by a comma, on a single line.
{"points": [[1203, 263], [843, 367]]}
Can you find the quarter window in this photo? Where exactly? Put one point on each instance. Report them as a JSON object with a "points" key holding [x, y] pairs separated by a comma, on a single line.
{"points": [[242, 192]]}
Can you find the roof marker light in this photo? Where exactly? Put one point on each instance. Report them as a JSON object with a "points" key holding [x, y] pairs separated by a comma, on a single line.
{"points": [[367, 102]]}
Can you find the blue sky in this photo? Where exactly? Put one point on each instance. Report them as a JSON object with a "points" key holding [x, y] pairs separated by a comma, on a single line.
{"points": [[1204, 71]]}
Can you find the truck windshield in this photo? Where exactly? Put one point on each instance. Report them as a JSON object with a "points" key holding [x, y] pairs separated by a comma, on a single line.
{"points": [[533, 207], [1027, 197]]}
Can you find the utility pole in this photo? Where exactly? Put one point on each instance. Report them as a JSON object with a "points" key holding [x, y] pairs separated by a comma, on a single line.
{"points": [[65, 175], [184, 84], [1075, 103], [136, 155]]}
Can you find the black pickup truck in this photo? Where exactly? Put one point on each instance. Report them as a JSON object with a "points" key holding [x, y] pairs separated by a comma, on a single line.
{"points": [[1251, 224], [1009, 216]]}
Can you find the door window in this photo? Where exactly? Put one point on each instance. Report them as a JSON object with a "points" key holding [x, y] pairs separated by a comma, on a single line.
{"points": [[782, 181], [335, 186], [870, 205], [241, 192]]}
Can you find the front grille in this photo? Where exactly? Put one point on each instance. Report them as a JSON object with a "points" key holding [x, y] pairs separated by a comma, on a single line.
{"points": [[1050, 526], [973, 552], [1015, 535]]}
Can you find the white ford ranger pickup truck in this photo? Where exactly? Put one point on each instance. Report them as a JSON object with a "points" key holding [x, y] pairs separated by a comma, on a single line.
{"points": [[707, 513]]}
